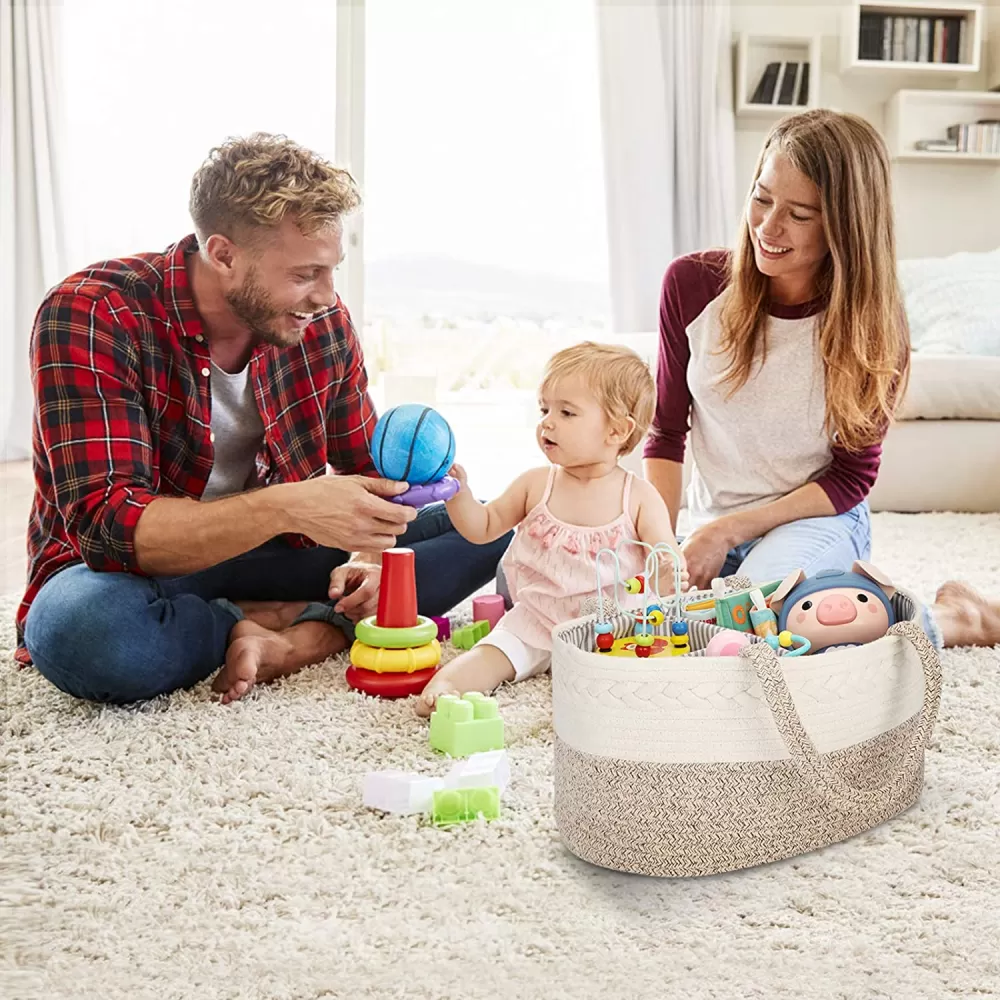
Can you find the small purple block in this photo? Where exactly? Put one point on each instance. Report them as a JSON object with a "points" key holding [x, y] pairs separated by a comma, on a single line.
{"points": [[444, 627]]}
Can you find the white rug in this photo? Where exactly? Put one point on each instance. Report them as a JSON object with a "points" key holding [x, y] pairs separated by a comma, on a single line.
{"points": [[191, 850]]}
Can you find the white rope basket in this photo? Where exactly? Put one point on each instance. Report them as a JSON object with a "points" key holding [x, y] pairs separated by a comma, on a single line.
{"points": [[695, 764]]}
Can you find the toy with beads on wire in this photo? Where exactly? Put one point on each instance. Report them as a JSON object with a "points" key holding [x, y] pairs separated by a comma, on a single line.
{"points": [[655, 610]]}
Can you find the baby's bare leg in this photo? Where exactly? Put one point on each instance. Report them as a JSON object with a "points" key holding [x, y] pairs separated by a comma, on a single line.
{"points": [[482, 668]]}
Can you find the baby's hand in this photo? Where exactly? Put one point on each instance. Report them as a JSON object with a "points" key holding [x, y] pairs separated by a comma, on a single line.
{"points": [[427, 699], [457, 472]]}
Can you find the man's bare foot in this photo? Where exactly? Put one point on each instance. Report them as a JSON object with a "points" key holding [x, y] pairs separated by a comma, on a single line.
{"points": [[257, 655], [966, 617], [273, 615]]}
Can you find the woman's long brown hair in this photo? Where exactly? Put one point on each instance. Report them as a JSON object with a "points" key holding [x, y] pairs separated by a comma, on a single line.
{"points": [[863, 336]]}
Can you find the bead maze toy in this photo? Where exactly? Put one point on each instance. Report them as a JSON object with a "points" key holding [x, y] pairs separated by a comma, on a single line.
{"points": [[467, 725], [395, 651], [414, 444], [643, 643]]}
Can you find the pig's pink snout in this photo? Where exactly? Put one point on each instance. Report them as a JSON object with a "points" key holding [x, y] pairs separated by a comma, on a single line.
{"points": [[836, 609]]}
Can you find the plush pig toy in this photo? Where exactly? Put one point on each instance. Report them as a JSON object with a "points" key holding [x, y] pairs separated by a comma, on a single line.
{"points": [[835, 608]]}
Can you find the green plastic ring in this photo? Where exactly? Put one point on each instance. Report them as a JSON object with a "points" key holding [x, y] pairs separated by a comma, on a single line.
{"points": [[396, 638]]}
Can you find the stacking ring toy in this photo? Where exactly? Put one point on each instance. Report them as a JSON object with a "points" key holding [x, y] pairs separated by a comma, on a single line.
{"points": [[395, 661], [420, 496], [389, 685], [373, 634]]}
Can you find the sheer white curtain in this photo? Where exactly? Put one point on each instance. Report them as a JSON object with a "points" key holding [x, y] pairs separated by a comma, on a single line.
{"points": [[667, 113], [31, 249]]}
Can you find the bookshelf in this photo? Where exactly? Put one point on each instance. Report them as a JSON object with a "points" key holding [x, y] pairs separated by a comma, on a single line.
{"points": [[753, 55], [993, 58], [926, 114], [913, 27]]}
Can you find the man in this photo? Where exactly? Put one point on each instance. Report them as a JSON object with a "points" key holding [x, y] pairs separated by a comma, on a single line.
{"points": [[187, 407]]}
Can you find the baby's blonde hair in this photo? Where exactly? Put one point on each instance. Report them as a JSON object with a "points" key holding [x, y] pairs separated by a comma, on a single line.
{"points": [[617, 376]]}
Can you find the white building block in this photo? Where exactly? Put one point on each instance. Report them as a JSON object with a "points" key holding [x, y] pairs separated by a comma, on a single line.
{"points": [[479, 769], [400, 792]]}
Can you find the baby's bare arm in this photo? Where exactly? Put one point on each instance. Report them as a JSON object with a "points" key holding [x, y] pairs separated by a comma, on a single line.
{"points": [[482, 668], [652, 525], [481, 523]]}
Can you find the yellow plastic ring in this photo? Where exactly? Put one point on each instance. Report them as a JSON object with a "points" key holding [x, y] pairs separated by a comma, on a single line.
{"points": [[395, 661], [396, 638]]}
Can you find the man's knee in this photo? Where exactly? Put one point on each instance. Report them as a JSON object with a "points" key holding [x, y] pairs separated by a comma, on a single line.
{"points": [[79, 631]]}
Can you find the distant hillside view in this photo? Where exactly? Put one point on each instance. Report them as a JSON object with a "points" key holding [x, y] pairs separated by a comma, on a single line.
{"points": [[496, 327], [433, 285]]}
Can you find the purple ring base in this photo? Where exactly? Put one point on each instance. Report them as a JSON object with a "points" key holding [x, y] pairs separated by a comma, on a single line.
{"points": [[420, 496]]}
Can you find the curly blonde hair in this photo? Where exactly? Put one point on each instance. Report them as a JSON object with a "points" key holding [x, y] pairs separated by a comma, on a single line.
{"points": [[617, 376], [250, 184]]}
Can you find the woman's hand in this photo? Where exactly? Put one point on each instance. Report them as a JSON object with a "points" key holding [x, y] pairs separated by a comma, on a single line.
{"points": [[705, 552]]}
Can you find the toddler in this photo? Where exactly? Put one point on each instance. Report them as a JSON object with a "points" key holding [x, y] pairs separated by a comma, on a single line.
{"points": [[596, 404]]}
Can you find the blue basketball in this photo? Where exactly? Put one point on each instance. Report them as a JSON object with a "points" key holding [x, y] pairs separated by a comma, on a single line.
{"points": [[413, 444]]}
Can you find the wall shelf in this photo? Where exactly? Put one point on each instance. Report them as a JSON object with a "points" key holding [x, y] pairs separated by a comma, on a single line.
{"points": [[912, 115], [753, 55], [971, 14]]}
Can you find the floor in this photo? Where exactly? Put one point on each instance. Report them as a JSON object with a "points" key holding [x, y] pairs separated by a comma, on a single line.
{"points": [[186, 848]]}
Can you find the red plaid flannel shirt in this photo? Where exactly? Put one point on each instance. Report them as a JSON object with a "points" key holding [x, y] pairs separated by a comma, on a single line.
{"points": [[120, 369]]}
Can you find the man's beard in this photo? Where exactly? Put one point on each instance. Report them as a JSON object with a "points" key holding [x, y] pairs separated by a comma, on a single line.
{"points": [[254, 307]]}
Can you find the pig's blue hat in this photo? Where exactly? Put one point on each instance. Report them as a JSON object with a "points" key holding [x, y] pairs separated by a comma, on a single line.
{"points": [[826, 579]]}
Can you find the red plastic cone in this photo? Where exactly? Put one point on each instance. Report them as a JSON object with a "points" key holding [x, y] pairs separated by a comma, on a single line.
{"points": [[397, 599]]}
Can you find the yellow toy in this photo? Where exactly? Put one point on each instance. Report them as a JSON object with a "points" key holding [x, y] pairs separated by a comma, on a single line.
{"points": [[395, 661]]}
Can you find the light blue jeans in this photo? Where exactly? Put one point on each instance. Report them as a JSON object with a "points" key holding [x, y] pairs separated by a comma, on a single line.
{"points": [[812, 544]]}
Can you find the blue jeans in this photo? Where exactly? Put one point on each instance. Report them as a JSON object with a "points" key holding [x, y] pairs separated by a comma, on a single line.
{"points": [[812, 544], [119, 637]]}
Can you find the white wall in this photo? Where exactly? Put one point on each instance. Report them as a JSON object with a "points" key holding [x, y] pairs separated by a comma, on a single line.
{"points": [[940, 208]]}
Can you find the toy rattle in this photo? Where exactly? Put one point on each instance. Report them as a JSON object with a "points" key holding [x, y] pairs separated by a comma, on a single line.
{"points": [[414, 444], [788, 643]]}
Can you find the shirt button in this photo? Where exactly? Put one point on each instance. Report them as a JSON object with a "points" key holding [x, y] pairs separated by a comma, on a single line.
{"points": [[198, 337], [211, 436], [205, 372]]}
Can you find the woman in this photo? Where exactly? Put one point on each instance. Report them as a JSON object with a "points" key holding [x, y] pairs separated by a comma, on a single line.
{"points": [[785, 359]]}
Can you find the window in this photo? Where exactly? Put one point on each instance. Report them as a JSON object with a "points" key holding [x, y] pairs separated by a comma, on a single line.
{"points": [[152, 87]]}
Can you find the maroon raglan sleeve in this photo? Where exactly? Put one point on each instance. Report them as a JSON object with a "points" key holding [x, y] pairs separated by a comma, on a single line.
{"points": [[850, 476], [690, 284]]}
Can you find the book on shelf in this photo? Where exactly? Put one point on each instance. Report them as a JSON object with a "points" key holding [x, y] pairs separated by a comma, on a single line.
{"points": [[783, 83], [982, 136], [804, 85], [786, 88], [936, 145], [910, 38]]}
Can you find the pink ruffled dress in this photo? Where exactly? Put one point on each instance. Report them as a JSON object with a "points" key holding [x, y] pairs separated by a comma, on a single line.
{"points": [[550, 569]]}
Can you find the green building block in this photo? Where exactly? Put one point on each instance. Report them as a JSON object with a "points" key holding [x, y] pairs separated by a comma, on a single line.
{"points": [[466, 725], [463, 805], [468, 635]]}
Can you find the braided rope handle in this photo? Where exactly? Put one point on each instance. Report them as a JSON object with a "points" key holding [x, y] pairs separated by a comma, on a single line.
{"points": [[824, 777]]}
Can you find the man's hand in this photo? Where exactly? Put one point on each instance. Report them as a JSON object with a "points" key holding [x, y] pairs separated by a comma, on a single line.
{"points": [[705, 552], [356, 584], [344, 512]]}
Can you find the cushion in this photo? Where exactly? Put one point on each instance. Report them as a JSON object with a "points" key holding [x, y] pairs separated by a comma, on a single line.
{"points": [[952, 387], [953, 303]]}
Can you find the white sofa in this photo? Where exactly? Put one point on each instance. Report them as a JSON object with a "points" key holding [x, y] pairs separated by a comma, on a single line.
{"points": [[943, 452]]}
